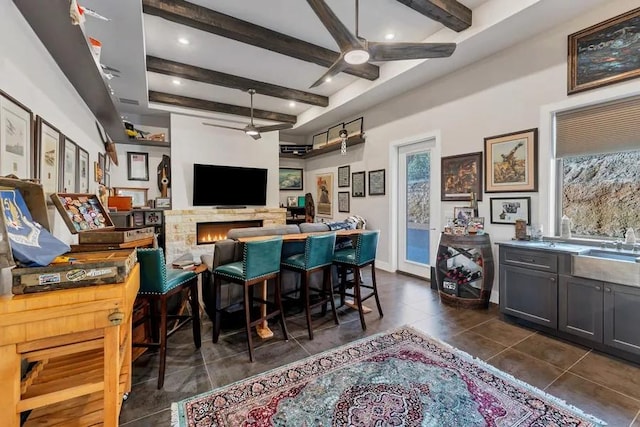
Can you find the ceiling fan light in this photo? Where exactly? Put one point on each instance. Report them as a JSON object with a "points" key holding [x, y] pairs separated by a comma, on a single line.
{"points": [[251, 132], [356, 56]]}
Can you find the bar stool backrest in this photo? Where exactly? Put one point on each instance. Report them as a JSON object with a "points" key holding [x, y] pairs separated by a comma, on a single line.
{"points": [[153, 270], [318, 250], [366, 246], [261, 257]]}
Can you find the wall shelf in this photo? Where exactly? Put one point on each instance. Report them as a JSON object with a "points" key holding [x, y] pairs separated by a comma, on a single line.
{"points": [[146, 142], [68, 46], [351, 142]]}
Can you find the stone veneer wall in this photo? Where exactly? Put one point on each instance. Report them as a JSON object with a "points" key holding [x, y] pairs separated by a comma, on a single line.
{"points": [[180, 226]]}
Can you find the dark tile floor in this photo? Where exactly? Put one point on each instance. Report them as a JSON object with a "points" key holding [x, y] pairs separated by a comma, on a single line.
{"points": [[603, 386]]}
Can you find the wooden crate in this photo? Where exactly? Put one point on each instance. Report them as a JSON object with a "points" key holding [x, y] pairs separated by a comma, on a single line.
{"points": [[86, 269], [115, 236]]}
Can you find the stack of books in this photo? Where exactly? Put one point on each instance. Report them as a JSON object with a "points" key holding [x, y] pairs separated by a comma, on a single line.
{"points": [[184, 264]]}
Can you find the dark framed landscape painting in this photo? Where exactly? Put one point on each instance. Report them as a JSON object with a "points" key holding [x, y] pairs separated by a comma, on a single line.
{"points": [[461, 176], [604, 53]]}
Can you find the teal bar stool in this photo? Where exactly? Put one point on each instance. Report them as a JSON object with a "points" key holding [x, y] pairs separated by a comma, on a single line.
{"points": [[317, 256], [260, 263], [362, 255], [157, 285]]}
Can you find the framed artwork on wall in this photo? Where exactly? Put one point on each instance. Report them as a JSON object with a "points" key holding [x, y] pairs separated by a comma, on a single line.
{"points": [[291, 179], [344, 174], [324, 195], [16, 136], [48, 142], [506, 210], [600, 55], [69, 166], [137, 166], [163, 203], [83, 171], [333, 134], [358, 184], [319, 140], [343, 201], [461, 175], [354, 127], [511, 162], [98, 175], [376, 182], [138, 195]]}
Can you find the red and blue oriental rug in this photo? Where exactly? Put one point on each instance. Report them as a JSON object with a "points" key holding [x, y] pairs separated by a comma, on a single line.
{"points": [[399, 378]]}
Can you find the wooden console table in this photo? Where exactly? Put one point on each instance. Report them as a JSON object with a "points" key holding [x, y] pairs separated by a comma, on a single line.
{"points": [[78, 344]]}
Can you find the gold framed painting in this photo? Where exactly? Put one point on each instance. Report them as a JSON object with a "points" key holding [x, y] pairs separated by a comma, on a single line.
{"points": [[602, 54], [511, 162], [324, 195]]}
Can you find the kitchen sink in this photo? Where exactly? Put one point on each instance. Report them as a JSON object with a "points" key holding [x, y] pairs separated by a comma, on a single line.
{"points": [[608, 266]]}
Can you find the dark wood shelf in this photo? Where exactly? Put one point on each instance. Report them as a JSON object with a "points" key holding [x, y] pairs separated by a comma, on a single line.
{"points": [[69, 47], [351, 142], [147, 142]]}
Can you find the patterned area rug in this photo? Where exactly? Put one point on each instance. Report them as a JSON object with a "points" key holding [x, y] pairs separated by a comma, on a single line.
{"points": [[399, 378]]}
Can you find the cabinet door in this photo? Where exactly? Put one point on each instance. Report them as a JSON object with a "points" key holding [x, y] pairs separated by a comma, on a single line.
{"points": [[580, 307], [529, 294], [622, 317]]}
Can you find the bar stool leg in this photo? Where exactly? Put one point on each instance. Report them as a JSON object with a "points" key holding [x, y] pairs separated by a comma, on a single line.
{"points": [[307, 300], [375, 288], [278, 296], [328, 288], [248, 303], [217, 284], [195, 312], [358, 296], [163, 339]]}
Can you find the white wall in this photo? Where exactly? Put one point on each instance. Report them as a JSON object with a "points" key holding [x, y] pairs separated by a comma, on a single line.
{"points": [[192, 142], [29, 74], [119, 175], [510, 91]]}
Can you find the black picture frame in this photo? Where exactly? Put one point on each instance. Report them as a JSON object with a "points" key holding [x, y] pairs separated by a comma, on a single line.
{"points": [[137, 166], [48, 146], [344, 175], [506, 210], [377, 182], [291, 179], [354, 127], [333, 134], [320, 140], [69, 169], [461, 175], [343, 201], [358, 184]]}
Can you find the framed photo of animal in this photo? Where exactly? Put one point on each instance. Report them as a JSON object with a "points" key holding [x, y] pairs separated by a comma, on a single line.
{"points": [[511, 162]]}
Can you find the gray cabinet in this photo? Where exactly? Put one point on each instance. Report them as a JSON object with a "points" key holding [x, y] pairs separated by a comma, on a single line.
{"points": [[580, 309], [622, 317], [529, 285]]}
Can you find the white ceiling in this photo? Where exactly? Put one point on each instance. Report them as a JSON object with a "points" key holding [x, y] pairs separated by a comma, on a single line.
{"points": [[130, 35]]}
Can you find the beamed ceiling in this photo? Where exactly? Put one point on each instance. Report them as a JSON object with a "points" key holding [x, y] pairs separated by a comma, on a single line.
{"points": [[281, 47]]}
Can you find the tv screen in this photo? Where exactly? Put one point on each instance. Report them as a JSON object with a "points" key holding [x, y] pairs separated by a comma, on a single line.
{"points": [[215, 185]]}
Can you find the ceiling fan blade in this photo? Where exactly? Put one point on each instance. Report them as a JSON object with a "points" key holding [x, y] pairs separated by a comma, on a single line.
{"points": [[336, 68], [398, 51], [340, 33], [256, 137], [221, 126], [271, 128]]}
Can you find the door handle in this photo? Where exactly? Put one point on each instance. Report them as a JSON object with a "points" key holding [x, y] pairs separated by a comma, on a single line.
{"points": [[598, 288]]}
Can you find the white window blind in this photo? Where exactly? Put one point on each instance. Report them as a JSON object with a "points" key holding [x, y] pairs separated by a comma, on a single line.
{"points": [[604, 128]]}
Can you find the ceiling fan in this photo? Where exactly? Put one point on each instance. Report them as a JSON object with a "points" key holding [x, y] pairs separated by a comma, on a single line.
{"points": [[355, 50], [252, 130]]}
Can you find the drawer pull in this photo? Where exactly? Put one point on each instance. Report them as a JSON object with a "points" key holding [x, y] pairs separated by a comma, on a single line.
{"points": [[598, 288], [531, 260], [116, 317], [552, 279], [607, 289]]}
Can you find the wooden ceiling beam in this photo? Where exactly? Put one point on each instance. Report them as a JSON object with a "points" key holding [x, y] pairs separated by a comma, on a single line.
{"points": [[218, 107], [451, 13], [204, 19], [178, 69]]}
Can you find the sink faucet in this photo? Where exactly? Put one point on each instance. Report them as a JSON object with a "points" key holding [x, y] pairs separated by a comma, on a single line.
{"points": [[614, 245]]}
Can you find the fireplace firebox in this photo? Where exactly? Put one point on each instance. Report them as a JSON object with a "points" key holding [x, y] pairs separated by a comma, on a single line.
{"points": [[209, 232]]}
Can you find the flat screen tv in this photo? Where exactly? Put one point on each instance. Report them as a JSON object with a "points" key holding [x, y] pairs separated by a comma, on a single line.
{"points": [[215, 185]]}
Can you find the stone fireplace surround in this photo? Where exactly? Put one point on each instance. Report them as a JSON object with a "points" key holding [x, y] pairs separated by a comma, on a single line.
{"points": [[180, 226]]}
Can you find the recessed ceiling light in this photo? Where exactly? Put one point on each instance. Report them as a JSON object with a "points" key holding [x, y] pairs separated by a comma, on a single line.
{"points": [[292, 104], [389, 36], [176, 82], [183, 40], [328, 80]]}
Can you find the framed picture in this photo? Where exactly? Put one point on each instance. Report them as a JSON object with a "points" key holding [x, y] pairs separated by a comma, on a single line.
{"points": [[324, 194], [137, 166], [152, 218], [98, 173], [69, 166], [511, 162], [461, 175], [290, 179], [83, 171], [163, 203], [601, 54], [506, 210], [354, 127], [358, 184], [48, 142], [292, 201], [343, 201], [138, 195], [16, 136], [344, 173], [107, 163], [107, 179], [462, 214], [333, 134], [376, 182], [319, 140]]}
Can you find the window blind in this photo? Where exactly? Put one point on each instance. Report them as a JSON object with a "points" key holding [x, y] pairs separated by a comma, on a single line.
{"points": [[604, 128]]}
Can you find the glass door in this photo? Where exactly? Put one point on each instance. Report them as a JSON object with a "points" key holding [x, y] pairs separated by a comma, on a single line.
{"points": [[416, 240]]}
